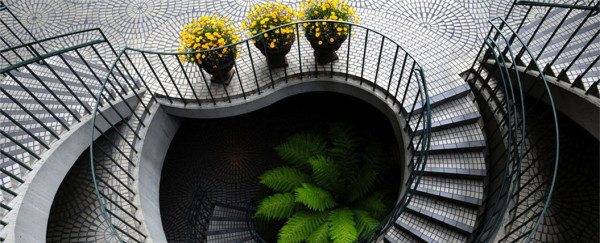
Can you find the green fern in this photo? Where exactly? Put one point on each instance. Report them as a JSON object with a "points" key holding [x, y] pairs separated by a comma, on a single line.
{"points": [[301, 147], [342, 227], [325, 172], [276, 207], [314, 198], [365, 224], [326, 192], [300, 226], [284, 179], [374, 204], [363, 184], [320, 235]]}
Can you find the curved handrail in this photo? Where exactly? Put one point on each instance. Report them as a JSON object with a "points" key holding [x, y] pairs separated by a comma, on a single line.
{"points": [[124, 63], [557, 139], [492, 223]]}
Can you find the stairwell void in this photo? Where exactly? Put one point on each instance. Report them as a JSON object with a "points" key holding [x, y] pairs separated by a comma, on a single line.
{"points": [[210, 178]]}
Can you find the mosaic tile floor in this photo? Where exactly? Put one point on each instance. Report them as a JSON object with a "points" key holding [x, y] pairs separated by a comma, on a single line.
{"points": [[443, 35]]}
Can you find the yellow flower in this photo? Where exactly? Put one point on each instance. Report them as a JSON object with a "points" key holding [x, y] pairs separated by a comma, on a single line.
{"points": [[272, 45]]}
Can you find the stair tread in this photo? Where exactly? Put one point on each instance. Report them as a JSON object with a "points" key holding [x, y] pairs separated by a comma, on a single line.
{"points": [[468, 191], [453, 113], [449, 213], [428, 230], [468, 136], [395, 235]]}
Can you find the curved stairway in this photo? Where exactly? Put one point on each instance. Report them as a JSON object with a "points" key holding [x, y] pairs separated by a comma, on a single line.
{"points": [[446, 202]]}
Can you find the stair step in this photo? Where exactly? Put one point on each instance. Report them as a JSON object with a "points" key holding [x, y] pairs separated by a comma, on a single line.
{"points": [[450, 214], [451, 114], [428, 230], [463, 191], [446, 96], [395, 235], [458, 163], [467, 137]]}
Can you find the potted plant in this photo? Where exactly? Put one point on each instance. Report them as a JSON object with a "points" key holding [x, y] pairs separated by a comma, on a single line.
{"points": [[328, 188], [326, 37], [274, 44], [206, 40]]}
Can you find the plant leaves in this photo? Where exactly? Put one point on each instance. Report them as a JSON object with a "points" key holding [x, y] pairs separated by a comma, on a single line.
{"points": [[300, 147], [278, 206], [342, 227], [314, 198], [300, 226], [365, 224], [325, 172], [319, 235], [284, 179]]}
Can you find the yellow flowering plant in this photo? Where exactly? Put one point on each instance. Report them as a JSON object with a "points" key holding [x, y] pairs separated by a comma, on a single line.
{"points": [[327, 37], [197, 39], [274, 44]]}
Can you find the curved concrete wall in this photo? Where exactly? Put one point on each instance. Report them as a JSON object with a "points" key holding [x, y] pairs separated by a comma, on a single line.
{"points": [[31, 208], [163, 127]]}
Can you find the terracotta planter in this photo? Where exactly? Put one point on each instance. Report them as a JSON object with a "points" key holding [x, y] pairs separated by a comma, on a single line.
{"points": [[221, 70], [275, 56], [326, 51]]}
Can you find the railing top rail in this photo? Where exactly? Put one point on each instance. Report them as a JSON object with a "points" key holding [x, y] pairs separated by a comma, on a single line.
{"points": [[558, 5], [269, 30], [49, 39], [50, 54]]}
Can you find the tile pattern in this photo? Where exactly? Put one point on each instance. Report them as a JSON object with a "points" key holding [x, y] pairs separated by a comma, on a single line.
{"points": [[442, 35]]}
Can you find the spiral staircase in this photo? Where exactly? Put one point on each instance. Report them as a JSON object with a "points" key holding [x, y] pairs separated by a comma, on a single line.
{"points": [[74, 94]]}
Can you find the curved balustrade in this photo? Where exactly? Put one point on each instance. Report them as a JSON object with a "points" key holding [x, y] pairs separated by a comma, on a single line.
{"points": [[522, 180], [47, 95], [367, 59]]}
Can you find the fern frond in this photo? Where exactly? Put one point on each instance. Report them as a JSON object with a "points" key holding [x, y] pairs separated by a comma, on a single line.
{"points": [[314, 198], [300, 147], [284, 179], [344, 143], [325, 172], [278, 206], [320, 235], [300, 226], [342, 227], [363, 184], [365, 224], [374, 204]]}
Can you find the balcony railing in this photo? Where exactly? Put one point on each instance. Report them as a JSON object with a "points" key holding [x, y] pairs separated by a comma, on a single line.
{"points": [[367, 59], [519, 188]]}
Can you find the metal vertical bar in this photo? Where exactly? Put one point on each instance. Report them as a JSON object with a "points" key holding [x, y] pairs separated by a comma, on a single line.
{"points": [[583, 49], [34, 117], [139, 75], [237, 72], [378, 61], [29, 151], [562, 21], [348, 51], [62, 81], [392, 72], [570, 38], [400, 78], [299, 51], [252, 64], [26, 130], [89, 67], [206, 83], [362, 68], [157, 78], [171, 78], [60, 101], [412, 70], [187, 78]]}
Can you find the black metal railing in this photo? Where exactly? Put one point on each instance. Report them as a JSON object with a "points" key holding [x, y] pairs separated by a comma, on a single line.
{"points": [[563, 40], [521, 176], [367, 59], [44, 96]]}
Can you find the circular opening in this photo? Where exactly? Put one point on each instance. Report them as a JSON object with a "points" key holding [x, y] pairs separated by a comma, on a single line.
{"points": [[211, 186]]}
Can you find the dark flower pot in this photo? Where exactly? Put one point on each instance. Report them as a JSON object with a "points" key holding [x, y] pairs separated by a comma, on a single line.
{"points": [[220, 69], [275, 56], [325, 52]]}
